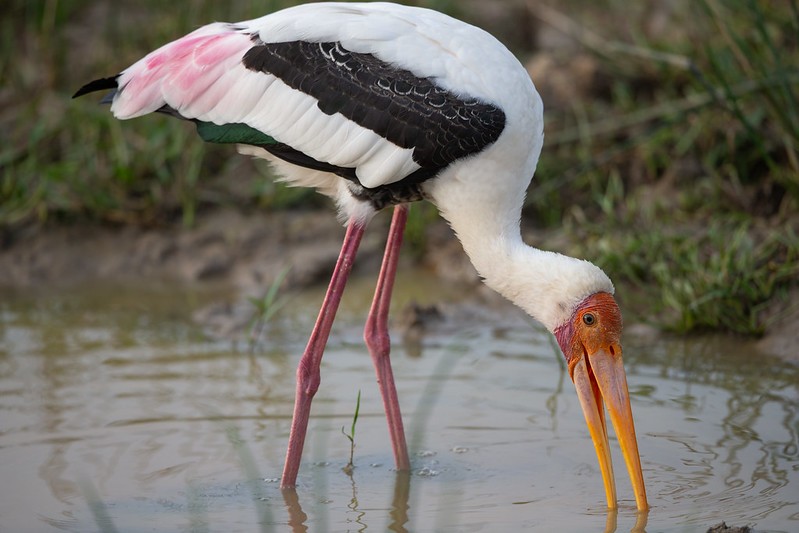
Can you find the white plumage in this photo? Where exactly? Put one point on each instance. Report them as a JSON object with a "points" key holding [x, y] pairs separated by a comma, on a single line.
{"points": [[225, 91], [474, 161]]}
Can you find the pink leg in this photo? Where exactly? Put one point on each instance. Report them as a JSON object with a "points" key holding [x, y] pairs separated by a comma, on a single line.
{"points": [[377, 340], [308, 377]]}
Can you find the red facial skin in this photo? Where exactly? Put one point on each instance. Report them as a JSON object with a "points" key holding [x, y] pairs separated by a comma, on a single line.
{"points": [[577, 338]]}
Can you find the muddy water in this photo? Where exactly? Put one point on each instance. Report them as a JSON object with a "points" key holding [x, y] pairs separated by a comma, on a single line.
{"points": [[118, 413]]}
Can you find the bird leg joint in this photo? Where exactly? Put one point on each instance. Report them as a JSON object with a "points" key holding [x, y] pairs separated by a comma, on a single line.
{"points": [[308, 378]]}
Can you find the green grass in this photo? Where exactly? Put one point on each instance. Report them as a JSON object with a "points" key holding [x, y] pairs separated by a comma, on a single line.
{"points": [[348, 468], [720, 277], [679, 173], [266, 307], [684, 181]]}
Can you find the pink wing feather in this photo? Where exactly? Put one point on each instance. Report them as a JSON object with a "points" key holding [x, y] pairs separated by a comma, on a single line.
{"points": [[184, 74]]}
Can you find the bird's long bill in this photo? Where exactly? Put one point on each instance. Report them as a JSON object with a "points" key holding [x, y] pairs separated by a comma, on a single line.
{"points": [[598, 378]]}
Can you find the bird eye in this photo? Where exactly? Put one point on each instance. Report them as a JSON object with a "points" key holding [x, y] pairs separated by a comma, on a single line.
{"points": [[589, 319]]}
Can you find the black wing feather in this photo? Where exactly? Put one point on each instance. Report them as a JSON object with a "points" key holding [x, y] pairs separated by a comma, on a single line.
{"points": [[411, 112]]}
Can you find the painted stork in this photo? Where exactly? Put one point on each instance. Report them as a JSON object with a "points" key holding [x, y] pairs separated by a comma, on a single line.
{"points": [[377, 105]]}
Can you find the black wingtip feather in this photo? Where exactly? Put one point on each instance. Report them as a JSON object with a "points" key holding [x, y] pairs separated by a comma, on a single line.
{"points": [[97, 85]]}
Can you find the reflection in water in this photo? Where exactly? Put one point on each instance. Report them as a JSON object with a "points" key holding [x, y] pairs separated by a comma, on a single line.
{"points": [[297, 516], [398, 512], [102, 519], [641, 519], [197, 510], [612, 519], [399, 503], [254, 479], [116, 391], [353, 506], [740, 431]]}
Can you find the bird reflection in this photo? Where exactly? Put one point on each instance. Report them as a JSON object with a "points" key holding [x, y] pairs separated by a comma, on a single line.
{"points": [[641, 518], [399, 504], [612, 517], [297, 516], [398, 512]]}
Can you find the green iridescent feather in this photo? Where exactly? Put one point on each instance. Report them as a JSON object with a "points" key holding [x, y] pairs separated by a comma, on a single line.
{"points": [[236, 133]]}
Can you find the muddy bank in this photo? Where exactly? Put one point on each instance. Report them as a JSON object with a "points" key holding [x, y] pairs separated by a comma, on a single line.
{"points": [[247, 250]]}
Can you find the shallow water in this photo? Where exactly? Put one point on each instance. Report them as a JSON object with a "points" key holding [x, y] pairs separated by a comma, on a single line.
{"points": [[117, 413]]}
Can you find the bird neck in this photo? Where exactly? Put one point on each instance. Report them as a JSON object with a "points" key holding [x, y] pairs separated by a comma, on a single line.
{"points": [[547, 285]]}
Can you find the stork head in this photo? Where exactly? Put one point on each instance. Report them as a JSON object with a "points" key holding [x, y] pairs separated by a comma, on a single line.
{"points": [[590, 341]]}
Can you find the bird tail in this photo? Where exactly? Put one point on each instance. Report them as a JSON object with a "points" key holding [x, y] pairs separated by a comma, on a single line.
{"points": [[100, 85]]}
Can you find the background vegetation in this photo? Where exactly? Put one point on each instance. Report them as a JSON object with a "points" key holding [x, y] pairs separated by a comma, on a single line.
{"points": [[672, 153]]}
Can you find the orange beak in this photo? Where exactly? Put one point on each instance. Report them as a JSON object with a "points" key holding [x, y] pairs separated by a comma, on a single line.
{"points": [[599, 378]]}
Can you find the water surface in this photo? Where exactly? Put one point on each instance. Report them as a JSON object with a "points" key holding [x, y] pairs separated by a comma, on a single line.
{"points": [[118, 412]]}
